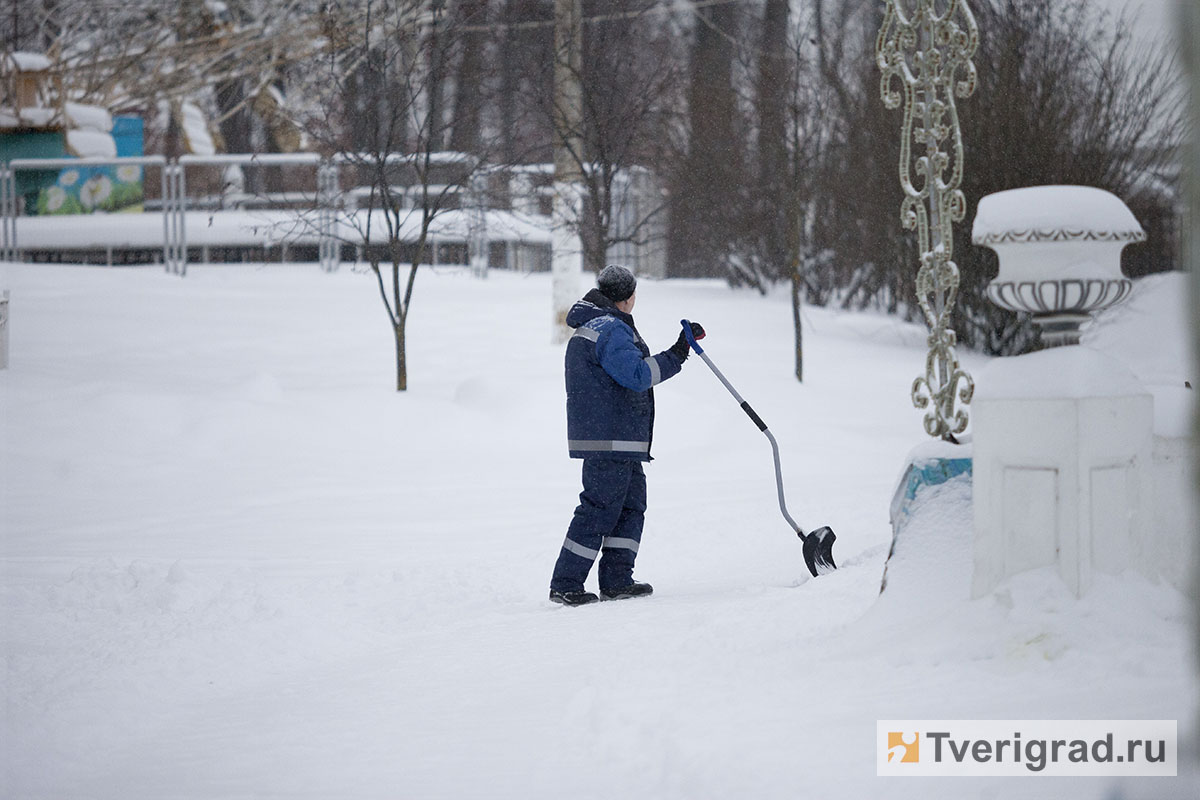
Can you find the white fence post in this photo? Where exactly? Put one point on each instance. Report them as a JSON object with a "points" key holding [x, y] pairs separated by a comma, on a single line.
{"points": [[327, 190], [8, 213], [477, 231], [174, 236], [174, 203], [4, 330]]}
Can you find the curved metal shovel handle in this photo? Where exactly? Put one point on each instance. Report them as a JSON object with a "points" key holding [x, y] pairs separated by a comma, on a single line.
{"points": [[818, 545]]}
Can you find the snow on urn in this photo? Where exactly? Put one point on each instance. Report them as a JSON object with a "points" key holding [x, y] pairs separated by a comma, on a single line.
{"points": [[1060, 253]]}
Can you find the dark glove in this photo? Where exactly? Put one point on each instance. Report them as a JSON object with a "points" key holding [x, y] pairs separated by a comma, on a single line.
{"points": [[681, 349]]}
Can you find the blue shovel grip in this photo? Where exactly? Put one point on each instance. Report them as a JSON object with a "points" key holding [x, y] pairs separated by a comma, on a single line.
{"points": [[687, 331]]}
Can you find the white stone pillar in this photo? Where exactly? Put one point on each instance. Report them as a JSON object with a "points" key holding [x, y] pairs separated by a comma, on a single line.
{"points": [[566, 257], [1063, 449], [566, 254]]}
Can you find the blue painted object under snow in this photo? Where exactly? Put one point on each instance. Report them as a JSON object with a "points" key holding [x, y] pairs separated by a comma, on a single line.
{"points": [[929, 472], [932, 464]]}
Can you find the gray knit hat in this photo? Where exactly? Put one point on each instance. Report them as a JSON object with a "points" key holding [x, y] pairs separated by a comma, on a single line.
{"points": [[616, 283]]}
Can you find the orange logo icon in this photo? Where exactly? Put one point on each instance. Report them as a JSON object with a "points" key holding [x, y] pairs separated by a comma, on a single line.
{"points": [[903, 747]]}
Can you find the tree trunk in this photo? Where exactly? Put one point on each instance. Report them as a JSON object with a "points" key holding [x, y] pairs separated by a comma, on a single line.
{"points": [[436, 123], [236, 128], [797, 282], [700, 229], [173, 136], [464, 136], [774, 76], [401, 359]]}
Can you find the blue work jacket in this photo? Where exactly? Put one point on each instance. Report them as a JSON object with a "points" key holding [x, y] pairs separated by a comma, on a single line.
{"points": [[609, 375]]}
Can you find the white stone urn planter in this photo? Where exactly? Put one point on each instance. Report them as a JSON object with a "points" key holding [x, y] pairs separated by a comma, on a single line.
{"points": [[1060, 253]]}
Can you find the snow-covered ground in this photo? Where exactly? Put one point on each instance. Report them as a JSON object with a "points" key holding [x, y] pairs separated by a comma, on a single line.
{"points": [[236, 563]]}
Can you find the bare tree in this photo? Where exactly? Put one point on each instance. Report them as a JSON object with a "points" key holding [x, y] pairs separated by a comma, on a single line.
{"points": [[629, 78], [807, 136], [380, 107]]}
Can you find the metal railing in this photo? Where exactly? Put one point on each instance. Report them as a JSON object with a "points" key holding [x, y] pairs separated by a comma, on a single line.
{"points": [[174, 200], [178, 200], [10, 248], [175, 203], [324, 217]]}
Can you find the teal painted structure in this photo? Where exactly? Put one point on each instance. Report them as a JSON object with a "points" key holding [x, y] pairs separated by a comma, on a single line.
{"points": [[129, 135], [76, 190], [929, 472], [33, 144]]}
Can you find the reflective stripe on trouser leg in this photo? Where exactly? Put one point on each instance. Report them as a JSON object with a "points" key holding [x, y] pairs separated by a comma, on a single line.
{"points": [[620, 549], [617, 541], [580, 550], [600, 513]]}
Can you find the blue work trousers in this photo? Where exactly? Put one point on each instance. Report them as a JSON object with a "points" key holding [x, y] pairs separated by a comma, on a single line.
{"points": [[607, 524]]}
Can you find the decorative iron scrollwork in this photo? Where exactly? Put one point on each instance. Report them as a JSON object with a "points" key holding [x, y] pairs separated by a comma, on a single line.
{"points": [[925, 59]]}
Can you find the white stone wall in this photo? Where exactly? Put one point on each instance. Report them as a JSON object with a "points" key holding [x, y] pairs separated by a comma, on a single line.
{"points": [[1063, 472]]}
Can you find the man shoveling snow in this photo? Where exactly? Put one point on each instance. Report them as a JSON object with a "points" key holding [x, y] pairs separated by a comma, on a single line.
{"points": [[610, 423]]}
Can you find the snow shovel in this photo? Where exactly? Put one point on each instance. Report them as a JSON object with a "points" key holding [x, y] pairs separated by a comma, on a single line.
{"points": [[818, 545]]}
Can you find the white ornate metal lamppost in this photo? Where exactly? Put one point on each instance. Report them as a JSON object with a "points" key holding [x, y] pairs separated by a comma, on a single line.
{"points": [[925, 57]]}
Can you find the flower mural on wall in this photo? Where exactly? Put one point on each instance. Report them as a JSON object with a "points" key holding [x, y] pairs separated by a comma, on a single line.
{"points": [[85, 190]]}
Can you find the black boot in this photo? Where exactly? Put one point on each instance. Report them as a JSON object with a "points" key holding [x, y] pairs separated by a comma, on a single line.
{"points": [[634, 589], [573, 598]]}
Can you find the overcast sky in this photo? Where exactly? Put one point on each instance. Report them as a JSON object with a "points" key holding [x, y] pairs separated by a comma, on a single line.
{"points": [[1153, 19]]}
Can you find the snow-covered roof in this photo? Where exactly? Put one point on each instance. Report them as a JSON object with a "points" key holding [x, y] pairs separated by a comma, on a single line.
{"points": [[80, 118], [23, 61], [1054, 214], [88, 117], [91, 144], [29, 117]]}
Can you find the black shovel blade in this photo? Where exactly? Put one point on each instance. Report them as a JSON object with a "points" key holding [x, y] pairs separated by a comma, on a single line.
{"points": [[818, 551]]}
